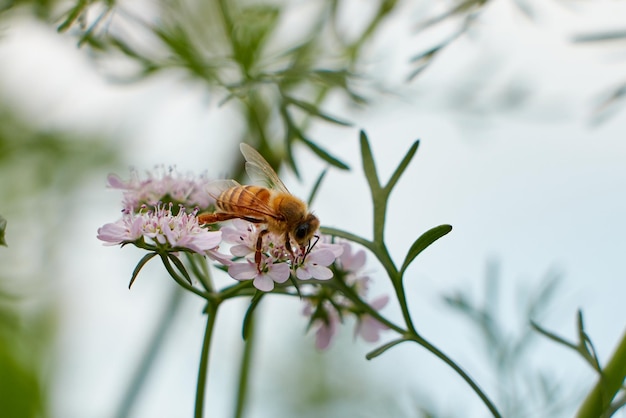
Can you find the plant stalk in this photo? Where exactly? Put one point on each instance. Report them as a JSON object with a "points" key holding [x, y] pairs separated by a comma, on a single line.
{"points": [[203, 370]]}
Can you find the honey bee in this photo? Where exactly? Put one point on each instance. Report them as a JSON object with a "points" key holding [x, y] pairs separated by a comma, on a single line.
{"points": [[276, 208]]}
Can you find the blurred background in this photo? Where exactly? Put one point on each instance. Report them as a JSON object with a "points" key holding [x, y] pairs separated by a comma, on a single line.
{"points": [[518, 105]]}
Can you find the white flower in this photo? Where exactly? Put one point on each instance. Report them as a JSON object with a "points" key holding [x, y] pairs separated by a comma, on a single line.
{"points": [[161, 227], [367, 327], [162, 185], [315, 265], [264, 279]]}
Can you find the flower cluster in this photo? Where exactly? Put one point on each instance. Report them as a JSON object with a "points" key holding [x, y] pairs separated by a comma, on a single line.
{"points": [[328, 307], [160, 215], [163, 186], [160, 212], [277, 264], [161, 228]]}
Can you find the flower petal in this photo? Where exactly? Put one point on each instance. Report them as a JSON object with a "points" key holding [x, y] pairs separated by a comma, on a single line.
{"points": [[279, 272], [112, 233], [242, 271], [263, 282], [380, 302], [320, 272], [303, 273], [240, 250], [323, 257]]}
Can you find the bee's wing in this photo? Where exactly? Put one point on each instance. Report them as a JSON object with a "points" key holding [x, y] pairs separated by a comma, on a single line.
{"points": [[216, 187], [259, 170]]}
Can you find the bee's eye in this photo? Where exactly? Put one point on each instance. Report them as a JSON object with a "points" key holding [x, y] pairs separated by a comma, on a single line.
{"points": [[301, 231]]}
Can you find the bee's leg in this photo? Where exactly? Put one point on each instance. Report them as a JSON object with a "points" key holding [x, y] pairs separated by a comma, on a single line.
{"points": [[259, 245], [293, 279], [211, 218], [288, 245]]}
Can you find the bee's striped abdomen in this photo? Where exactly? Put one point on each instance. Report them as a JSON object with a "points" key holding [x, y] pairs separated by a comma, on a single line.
{"points": [[243, 199]]}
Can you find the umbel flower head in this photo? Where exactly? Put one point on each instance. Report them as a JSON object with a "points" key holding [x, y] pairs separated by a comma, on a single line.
{"points": [[277, 264], [327, 307], [160, 228], [162, 186]]}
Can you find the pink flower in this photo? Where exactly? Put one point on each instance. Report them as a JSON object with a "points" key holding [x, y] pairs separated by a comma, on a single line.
{"points": [[243, 235], [160, 227], [264, 280], [369, 328], [127, 229], [162, 185], [350, 261], [327, 306], [315, 265], [326, 323]]}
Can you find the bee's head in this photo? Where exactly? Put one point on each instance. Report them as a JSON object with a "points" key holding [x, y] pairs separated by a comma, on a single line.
{"points": [[303, 232]]}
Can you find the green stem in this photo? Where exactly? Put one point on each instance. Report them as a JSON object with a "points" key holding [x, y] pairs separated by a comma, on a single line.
{"points": [[348, 236], [350, 294], [598, 401], [383, 256], [244, 372], [201, 271], [182, 281], [428, 346], [203, 371], [404, 306]]}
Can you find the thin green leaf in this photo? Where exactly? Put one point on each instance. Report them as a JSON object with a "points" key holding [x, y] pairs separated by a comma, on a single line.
{"points": [[423, 242], [582, 336], [402, 166], [553, 336], [294, 282], [585, 345], [139, 266], [466, 8], [73, 14], [88, 36], [291, 161], [247, 320], [543, 297], [616, 35], [316, 187], [598, 400], [180, 266], [369, 167], [291, 132], [315, 111], [3, 227], [125, 48], [347, 235], [332, 77], [378, 351], [424, 57], [324, 155]]}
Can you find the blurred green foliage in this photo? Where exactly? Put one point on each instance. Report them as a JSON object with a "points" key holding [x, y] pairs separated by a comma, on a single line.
{"points": [[39, 160], [522, 390], [609, 393], [41, 8], [280, 82], [25, 339], [279, 79], [39, 171], [3, 227]]}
